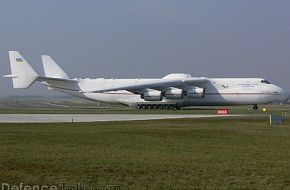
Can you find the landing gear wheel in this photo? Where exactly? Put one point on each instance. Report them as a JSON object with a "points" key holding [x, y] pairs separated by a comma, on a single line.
{"points": [[255, 107], [160, 107], [166, 107]]}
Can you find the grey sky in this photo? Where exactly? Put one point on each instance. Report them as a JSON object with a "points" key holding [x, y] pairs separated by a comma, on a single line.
{"points": [[149, 38]]}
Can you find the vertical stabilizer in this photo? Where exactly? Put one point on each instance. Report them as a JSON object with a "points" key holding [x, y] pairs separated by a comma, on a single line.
{"points": [[52, 69], [22, 74]]}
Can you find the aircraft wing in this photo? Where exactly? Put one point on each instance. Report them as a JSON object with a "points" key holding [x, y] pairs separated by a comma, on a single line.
{"points": [[158, 84]]}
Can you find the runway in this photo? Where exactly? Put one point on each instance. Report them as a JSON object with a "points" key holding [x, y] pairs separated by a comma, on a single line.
{"points": [[59, 118]]}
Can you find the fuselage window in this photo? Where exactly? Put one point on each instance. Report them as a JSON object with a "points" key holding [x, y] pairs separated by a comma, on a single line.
{"points": [[265, 81]]}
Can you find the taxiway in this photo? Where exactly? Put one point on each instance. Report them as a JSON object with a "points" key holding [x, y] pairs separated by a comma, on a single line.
{"points": [[56, 118]]}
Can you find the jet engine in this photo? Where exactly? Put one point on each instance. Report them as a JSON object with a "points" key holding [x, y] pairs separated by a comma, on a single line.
{"points": [[152, 95], [195, 92], [173, 93]]}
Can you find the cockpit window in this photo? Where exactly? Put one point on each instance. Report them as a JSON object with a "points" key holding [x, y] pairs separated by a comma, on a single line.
{"points": [[265, 81]]}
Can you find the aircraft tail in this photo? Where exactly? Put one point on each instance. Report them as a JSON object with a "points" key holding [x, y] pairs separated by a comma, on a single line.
{"points": [[22, 73], [52, 69]]}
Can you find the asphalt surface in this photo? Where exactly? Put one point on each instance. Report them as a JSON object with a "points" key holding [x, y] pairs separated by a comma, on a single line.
{"points": [[59, 118]]}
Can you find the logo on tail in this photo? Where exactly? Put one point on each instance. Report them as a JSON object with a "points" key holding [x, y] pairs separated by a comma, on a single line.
{"points": [[19, 60]]}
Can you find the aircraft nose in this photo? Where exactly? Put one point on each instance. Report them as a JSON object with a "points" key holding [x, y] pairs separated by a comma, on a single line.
{"points": [[285, 94]]}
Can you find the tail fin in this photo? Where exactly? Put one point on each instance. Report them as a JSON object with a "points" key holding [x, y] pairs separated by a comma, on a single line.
{"points": [[52, 69], [22, 74]]}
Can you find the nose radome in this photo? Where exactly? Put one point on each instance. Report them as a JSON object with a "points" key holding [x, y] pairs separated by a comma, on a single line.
{"points": [[285, 94]]}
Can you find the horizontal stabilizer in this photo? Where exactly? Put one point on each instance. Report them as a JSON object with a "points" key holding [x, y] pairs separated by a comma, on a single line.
{"points": [[52, 79]]}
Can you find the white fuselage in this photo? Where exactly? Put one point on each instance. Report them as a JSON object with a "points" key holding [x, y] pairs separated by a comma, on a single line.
{"points": [[218, 92]]}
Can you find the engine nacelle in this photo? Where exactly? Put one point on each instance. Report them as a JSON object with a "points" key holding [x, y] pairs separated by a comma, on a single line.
{"points": [[152, 95], [174, 93], [195, 92]]}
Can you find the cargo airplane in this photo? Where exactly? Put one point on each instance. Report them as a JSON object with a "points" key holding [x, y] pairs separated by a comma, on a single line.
{"points": [[170, 92]]}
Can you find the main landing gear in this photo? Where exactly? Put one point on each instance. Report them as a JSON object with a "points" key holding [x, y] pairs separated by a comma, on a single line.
{"points": [[158, 106], [255, 107]]}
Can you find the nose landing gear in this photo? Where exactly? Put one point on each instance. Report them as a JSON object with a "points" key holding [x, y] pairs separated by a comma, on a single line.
{"points": [[255, 107]]}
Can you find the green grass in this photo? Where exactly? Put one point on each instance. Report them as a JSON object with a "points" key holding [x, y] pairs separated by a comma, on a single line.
{"points": [[164, 154]]}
